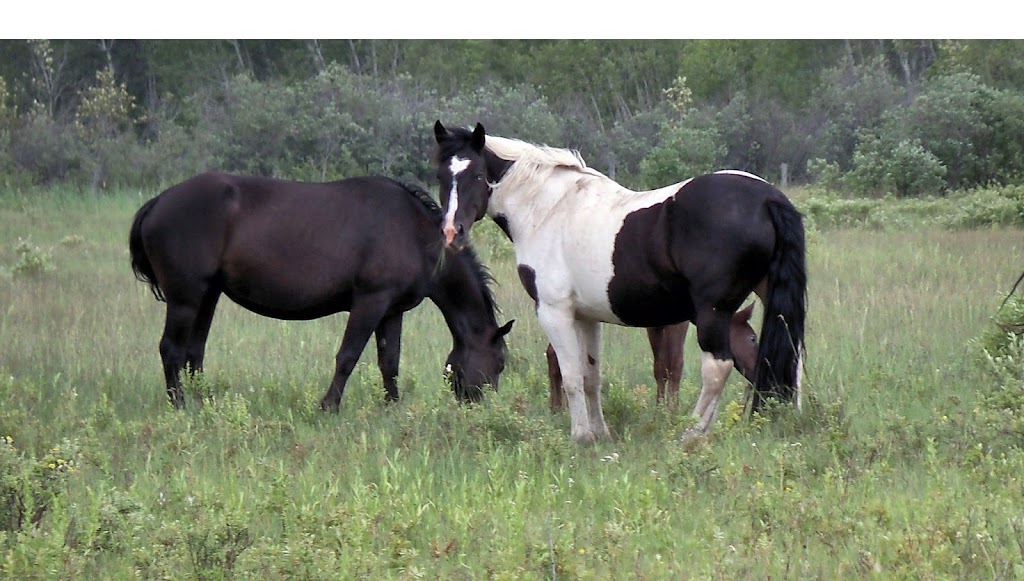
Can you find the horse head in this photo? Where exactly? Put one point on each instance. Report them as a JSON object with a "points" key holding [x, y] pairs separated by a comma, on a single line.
{"points": [[472, 365], [463, 175]]}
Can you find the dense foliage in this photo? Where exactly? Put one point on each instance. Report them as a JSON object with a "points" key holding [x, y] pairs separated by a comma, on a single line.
{"points": [[882, 117]]}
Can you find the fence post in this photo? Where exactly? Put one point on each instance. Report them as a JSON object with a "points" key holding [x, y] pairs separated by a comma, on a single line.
{"points": [[784, 175]]}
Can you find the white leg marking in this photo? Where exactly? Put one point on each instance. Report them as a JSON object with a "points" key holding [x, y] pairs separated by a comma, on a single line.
{"points": [[713, 374], [564, 335], [590, 338]]}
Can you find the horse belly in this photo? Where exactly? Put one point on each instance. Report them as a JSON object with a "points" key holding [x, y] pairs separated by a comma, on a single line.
{"points": [[269, 293], [654, 307]]}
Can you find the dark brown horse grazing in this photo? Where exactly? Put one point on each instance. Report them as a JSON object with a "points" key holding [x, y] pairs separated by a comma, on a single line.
{"points": [[667, 347], [300, 251], [591, 251]]}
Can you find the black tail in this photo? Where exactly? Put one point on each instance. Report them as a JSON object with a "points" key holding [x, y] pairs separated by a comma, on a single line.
{"points": [[140, 261], [782, 332]]}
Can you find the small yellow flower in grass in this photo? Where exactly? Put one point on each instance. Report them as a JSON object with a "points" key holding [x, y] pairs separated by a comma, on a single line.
{"points": [[52, 466], [9, 439], [582, 551]]}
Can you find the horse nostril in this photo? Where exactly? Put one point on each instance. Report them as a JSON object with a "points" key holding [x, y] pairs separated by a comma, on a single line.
{"points": [[462, 230]]}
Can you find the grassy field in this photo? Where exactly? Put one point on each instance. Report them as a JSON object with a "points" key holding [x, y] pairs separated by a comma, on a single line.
{"points": [[908, 460]]}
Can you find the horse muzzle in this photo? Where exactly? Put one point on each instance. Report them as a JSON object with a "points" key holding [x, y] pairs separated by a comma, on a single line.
{"points": [[454, 236]]}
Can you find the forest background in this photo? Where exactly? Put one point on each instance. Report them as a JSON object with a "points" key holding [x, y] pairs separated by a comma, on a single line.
{"points": [[865, 117]]}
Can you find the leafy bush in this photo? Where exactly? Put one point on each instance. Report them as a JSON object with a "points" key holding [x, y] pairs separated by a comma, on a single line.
{"points": [[850, 100], [904, 168], [45, 149], [520, 112], [686, 147], [971, 129], [988, 207], [825, 174], [29, 486], [1003, 340], [32, 260]]}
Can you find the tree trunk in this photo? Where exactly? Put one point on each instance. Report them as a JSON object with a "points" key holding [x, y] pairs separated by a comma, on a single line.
{"points": [[318, 56], [356, 67]]}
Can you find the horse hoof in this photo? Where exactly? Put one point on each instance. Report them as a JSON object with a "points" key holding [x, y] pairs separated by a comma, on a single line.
{"points": [[329, 406], [692, 438], [584, 437]]}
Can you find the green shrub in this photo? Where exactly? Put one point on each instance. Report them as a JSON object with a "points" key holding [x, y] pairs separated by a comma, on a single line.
{"points": [[32, 260], [997, 206], [686, 147], [46, 149], [903, 169]]}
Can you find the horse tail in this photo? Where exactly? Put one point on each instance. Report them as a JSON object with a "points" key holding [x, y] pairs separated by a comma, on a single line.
{"points": [[141, 265], [781, 348]]}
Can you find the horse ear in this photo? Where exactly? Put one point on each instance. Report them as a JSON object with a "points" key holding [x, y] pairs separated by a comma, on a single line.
{"points": [[477, 140], [503, 330], [440, 133], [746, 313]]}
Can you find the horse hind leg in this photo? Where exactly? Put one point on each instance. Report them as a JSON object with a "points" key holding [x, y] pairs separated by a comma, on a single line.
{"points": [[196, 351], [174, 344], [556, 397], [667, 348], [716, 364]]}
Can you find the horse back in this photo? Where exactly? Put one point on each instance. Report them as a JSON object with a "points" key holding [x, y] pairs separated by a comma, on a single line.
{"points": [[290, 249]]}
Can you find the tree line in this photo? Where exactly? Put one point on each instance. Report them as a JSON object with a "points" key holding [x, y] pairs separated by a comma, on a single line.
{"points": [[902, 117]]}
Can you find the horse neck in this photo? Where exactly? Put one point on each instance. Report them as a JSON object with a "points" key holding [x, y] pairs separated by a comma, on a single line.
{"points": [[463, 298], [529, 201]]}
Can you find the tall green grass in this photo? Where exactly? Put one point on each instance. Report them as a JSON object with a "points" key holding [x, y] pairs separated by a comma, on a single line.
{"points": [[907, 460]]}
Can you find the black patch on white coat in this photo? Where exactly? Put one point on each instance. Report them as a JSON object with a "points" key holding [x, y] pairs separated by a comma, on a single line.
{"points": [[646, 290], [713, 238], [502, 223], [529, 279]]}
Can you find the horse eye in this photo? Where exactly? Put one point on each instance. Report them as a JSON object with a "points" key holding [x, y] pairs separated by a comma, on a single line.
{"points": [[753, 338]]}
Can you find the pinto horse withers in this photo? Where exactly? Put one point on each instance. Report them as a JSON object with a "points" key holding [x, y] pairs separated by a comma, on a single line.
{"points": [[298, 251], [591, 251]]}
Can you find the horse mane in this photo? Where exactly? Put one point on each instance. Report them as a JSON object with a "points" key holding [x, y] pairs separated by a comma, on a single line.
{"points": [[477, 268], [533, 164], [424, 197], [482, 274]]}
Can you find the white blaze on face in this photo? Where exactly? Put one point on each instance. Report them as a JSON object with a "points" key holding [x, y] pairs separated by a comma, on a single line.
{"points": [[456, 166]]}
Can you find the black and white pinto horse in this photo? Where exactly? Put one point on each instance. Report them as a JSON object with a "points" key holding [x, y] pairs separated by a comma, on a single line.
{"points": [[591, 251]]}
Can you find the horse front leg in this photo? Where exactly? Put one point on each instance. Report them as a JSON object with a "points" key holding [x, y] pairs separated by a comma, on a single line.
{"points": [[560, 327], [389, 347], [365, 316]]}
